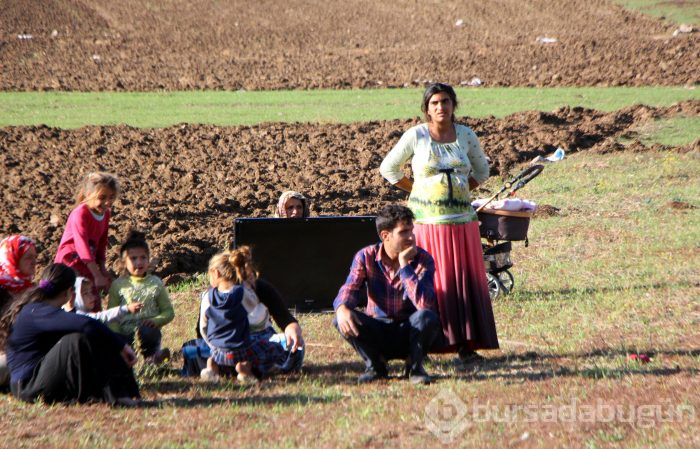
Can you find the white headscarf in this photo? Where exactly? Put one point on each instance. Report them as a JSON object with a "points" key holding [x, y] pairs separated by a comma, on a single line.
{"points": [[79, 302]]}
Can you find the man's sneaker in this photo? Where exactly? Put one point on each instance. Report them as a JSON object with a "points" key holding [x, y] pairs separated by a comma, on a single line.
{"points": [[418, 375], [127, 402], [372, 374]]}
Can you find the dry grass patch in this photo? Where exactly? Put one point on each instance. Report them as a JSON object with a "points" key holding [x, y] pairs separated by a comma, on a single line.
{"points": [[591, 289]]}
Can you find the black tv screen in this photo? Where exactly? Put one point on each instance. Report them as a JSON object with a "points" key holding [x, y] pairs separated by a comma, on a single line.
{"points": [[307, 259]]}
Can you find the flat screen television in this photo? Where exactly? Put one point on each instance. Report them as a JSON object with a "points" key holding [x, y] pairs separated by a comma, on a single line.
{"points": [[307, 259]]}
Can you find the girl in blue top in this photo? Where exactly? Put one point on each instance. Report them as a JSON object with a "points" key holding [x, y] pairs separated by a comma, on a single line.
{"points": [[225, 317]]}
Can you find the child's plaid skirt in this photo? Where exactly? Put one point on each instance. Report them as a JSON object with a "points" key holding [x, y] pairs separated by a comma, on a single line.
{"points": [[262, 355]]}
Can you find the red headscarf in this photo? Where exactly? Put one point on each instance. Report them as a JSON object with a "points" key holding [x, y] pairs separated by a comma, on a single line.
{"points": [[12, 249]]}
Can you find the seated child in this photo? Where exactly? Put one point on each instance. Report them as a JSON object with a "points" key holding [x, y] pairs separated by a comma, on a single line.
{"points": [[137, 286], [84, 302], [225, 319]]}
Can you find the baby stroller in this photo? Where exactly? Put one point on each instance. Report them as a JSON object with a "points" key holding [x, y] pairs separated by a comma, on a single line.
{"points": [[499, 228]]}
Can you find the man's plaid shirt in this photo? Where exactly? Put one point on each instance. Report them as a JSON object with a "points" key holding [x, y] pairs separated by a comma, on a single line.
{"points": [[411, 288]]}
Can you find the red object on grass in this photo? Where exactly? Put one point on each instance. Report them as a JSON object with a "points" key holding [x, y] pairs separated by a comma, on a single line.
{"points": [[639, 358]]}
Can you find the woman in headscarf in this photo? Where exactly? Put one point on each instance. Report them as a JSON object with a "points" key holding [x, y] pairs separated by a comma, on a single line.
{"points": [[292, 205], [17, 269], [17, 264]]}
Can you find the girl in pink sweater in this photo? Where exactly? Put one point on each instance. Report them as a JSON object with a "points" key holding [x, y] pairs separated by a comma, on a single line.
{"points": [[84, 243]]}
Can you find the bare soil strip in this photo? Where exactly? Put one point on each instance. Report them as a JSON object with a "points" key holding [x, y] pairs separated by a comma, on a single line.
{"points": [[184, 185]]}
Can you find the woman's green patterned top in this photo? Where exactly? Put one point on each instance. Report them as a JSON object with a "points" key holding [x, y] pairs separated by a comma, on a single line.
{"points": [[441, 173]]}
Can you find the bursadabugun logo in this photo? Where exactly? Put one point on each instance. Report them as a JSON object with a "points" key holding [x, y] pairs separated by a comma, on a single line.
{"points": [[445, 416]]}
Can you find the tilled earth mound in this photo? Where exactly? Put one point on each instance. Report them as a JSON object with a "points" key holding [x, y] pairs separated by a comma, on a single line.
{"points": [[267, 44], [184, 185]]}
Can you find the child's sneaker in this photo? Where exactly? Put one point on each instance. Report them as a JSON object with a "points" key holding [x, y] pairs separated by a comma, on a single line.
{"points": [[246, 379], [159, 357], [209, 375]]}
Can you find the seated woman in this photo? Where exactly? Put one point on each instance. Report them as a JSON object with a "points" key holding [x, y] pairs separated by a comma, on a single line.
{"points": [[17, 264], [58, 356], [17, 269], [269, 305], [292, 205], [5, 300]]}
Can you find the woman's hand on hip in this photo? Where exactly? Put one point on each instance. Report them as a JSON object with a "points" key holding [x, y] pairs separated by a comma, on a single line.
{"points": [[405, 184], [473, 183]]}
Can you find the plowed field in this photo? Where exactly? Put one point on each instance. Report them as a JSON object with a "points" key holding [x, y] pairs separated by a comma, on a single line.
{"points": [[303, 44]]}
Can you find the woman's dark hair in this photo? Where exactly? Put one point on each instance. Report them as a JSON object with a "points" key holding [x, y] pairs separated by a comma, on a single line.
{"points": [[56, 279], [390, 216], [5, 299], [437, 88]]}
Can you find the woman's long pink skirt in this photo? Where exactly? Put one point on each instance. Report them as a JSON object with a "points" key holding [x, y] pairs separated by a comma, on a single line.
{"points": [[460, 284]]}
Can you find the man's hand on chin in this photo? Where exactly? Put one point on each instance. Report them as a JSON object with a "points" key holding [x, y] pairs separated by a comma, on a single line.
{"points": [[407, 255]]}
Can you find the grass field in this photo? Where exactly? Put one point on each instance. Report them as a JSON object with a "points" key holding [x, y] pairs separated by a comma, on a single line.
{"points": [[684, 11], [616, 272], [160, 109]]}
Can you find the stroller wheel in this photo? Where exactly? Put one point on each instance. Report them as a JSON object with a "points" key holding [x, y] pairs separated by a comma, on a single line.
{"points": [[505, 278], [494, 286]]}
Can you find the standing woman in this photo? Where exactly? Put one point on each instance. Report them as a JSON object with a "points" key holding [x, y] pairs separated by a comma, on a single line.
{"points": [[447, 162], [60, 356]]}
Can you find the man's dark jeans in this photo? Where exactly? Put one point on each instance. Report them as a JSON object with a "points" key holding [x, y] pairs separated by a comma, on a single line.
{"points": [[380, 339]]}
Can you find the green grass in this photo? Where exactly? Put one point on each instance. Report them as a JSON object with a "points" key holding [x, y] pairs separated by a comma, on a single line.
{"points": [[197, 281], [616, 245], [682, 11], [161, 109], [615, 272], [674, 131]]}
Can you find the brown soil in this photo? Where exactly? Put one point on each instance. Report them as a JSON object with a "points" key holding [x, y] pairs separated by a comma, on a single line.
{"points": [[185, 184], [679, 205], [181, 44], [545, 210]]}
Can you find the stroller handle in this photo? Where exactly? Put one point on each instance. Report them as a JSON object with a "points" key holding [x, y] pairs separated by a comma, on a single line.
{"points": [[521, 179], [524, 177]]}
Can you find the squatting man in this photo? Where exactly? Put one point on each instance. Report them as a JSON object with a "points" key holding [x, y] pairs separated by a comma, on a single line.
{"points": [[400, 321]]}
